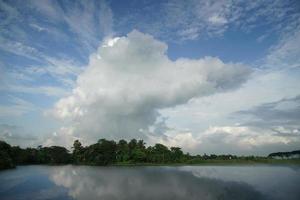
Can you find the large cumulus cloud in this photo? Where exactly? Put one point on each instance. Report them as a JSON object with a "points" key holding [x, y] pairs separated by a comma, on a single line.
{"points": [[130, 78]]}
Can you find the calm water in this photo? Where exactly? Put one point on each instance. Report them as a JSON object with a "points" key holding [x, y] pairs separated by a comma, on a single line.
{"points": [[136, 183]]}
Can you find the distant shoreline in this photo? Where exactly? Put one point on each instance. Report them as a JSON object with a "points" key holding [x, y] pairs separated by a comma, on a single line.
{"points": [[215, 162]]}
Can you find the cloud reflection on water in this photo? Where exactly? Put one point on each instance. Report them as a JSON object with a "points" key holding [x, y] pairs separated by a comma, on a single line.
{"points": [[147, 183]]}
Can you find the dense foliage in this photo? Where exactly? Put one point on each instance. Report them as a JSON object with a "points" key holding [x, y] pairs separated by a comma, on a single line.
{"points": [[107, 152], [5, 156], [11, 156]]}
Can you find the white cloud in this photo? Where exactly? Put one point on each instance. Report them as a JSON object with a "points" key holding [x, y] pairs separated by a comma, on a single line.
{"points": [[175, 138], [126, 83], [216, 110], [244, 140], [130, 81], [240, 136], [236, 139], [215, 19], [63, 137], [268, 97]]}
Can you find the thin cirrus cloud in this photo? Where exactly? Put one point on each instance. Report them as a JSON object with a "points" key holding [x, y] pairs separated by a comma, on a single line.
{"points": [[17, 107], [200, 19], [95, 19], [44, 69]]}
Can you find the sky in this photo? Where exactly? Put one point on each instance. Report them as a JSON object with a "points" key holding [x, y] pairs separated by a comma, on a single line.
{"points": [[209, 76]]}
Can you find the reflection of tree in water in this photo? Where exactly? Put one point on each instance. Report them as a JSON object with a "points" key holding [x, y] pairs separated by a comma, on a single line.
{"points": [[147, 183]]}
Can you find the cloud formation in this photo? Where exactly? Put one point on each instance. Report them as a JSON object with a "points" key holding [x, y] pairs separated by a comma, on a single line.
{"points": [[274, 125], [260, 117], [15, 135], [45, 46], [244, 140], [285, 112], [130, 78], [201, 18]]}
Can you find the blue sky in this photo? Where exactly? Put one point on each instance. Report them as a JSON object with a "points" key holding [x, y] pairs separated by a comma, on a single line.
{"points": [[210, 76]]}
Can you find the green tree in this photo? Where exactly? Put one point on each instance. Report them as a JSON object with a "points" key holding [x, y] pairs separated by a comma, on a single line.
{"points": [[101, 153], [158, 154], [78, 152], [132, 144], [176, 154], [55, 155], [5, 156], [138, 155], [122, 151]]}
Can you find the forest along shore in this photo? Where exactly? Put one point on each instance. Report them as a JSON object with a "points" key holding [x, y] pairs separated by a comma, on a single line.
{"points": [[132, 153]]}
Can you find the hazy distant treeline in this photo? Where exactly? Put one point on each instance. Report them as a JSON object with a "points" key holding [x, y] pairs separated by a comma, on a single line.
{"points": [[291, 154], [105, 152]]}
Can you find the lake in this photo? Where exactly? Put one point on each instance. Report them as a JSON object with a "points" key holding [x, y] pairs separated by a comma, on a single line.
{"points": [[137, 183]]}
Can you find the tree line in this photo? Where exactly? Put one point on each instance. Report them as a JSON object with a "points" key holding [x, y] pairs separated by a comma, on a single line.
{"points": [[106, 152], [291, 154], [10, 156]]}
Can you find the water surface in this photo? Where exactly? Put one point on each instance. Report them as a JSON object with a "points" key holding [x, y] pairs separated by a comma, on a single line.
{"points": [[136, 183]]}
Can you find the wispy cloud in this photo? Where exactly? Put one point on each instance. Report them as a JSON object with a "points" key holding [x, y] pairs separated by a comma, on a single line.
{"points": [[30, 79], [286, 53], [284, 113], [211, 18], [90, 21], [44, 90], [19, 49], [79, 25], [16, 107]]}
